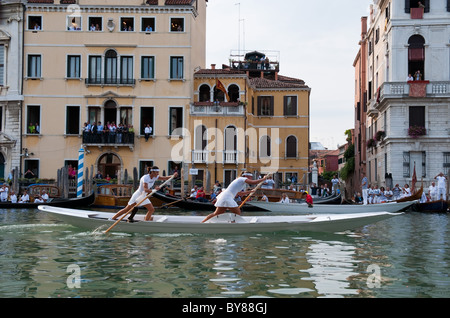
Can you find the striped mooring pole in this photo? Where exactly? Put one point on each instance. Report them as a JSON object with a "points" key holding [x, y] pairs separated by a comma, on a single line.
{"points": [[80, 173]]}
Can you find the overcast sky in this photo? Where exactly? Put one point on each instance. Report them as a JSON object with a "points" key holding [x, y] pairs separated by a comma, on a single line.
{"points": [[317, 42]]}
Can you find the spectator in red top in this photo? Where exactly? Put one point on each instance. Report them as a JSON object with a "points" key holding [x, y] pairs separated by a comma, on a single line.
{"points": [[309, 199]]}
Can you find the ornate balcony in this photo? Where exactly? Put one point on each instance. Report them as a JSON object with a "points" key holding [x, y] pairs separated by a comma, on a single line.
{"points": [[103, 139], [217, 109]]}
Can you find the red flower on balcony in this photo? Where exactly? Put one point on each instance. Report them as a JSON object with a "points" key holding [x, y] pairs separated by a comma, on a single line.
{"points": [[416, 131]]}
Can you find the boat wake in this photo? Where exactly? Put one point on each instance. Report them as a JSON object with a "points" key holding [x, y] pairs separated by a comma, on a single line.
{"points": [[12, 227]]}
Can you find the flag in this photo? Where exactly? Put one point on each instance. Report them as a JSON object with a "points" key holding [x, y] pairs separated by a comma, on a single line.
{"points": [[222, 88], [414, 180]]}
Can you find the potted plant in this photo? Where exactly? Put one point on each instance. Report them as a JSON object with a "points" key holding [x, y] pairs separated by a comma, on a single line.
{"points": [[371, 143], [416, 131], [379, 135]]}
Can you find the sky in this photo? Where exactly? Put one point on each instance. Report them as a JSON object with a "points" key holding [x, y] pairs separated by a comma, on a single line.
{"points": [[317, 42]]}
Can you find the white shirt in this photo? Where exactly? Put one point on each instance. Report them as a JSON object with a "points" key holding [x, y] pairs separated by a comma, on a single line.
{"points": [[432, 190], [236, 186], [13, 198], [24, 198], [440, 182], [284, 200], [268, 184], [148, 130], [45, 197], [4, 193], [146, 179]]}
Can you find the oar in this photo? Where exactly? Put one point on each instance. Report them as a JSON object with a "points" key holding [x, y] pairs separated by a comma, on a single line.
{"points": [[253, 191], [146, 197], [171, 203]]}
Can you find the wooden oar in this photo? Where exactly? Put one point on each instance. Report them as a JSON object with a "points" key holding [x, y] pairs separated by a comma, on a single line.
{"points": [[146, 197], [169, 204], [253, 191]]}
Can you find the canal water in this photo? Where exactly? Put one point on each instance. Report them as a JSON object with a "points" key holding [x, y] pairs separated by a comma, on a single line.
{"points": [[406, 256]]}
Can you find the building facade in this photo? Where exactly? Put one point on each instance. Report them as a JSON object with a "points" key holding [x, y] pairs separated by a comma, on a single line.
{"points": [[113, 78], [11, 98], [407, 124], [246, 116]]}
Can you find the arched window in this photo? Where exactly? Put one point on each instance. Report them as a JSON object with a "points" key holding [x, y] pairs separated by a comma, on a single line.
{"points": [[416, 56], [291, 147], [111, 67], [265, 146], [109, 164], [233, 93], [204, 93], [218, 95]]}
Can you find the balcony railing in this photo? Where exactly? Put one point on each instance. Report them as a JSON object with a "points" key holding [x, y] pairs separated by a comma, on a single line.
{"points": [[221, 108], [108, 138], [223, 157], [110, 81]]}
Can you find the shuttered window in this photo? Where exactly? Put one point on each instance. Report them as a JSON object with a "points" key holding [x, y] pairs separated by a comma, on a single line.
{"points": [[417, 116], [265, 105]]}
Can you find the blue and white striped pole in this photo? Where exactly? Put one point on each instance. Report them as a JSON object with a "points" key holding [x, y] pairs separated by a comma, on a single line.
{"points": [[80, 173]]}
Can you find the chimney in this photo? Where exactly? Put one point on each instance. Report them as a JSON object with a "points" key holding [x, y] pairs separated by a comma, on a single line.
{"points": [[213, 66]]}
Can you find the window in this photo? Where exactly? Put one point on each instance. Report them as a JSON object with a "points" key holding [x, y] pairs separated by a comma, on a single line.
{"points": [[233, 93], [290, 105], [265, 105], [34, 66], [73, 66], [176, 24], [95, 23], [127, 24], [147, 118], [111, 67], [175, 120], [33, 165], [33, 119], [291, 147], [416, 56], [72, 120], [126, 64], [2, 65], [148, 25], [204, 93], [73, 23], [95, 69], [446, 164], [229, 176], [34, 23], [264, 146], [147, 67], [406, 164], [126, 116], [415, 4], [176, 67], [417, 116], [144, 165]]}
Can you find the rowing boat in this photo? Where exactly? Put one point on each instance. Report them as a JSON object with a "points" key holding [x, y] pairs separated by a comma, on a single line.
{"points": [[226, 223], [302, 208]]}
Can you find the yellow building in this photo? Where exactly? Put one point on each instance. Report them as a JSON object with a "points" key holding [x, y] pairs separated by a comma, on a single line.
{"points": [[258, 122], [89, 62]]}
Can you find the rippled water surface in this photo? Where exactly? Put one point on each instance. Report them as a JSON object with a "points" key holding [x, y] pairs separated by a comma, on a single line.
{"points": [[407, 256]]}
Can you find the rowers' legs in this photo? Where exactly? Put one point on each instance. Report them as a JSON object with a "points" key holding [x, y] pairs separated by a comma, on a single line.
{"points": [[123, 211], [235, 210], [150, 210], [219, 210]]}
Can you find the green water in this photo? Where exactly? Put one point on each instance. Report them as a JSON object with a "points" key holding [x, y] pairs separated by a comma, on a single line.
{"points": [[406, 256]]}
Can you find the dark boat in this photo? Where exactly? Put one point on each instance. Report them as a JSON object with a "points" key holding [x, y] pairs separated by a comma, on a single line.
{"points": [[59, 202], [440, 206], [194, 205]]}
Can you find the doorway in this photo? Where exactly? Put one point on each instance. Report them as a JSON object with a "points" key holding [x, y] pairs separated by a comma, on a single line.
{"points": [[109, 164], [110, 112]]}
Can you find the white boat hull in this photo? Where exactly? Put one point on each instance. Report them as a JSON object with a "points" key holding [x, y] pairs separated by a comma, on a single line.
{"points": [[227, 223], [302, 208]]}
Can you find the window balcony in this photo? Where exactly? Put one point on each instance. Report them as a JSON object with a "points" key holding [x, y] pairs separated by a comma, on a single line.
{"points": [[110, 82], [230, 157], [424, 89], [117, 139], [199, 156]]}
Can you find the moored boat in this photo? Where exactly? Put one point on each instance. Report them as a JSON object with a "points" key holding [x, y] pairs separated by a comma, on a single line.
{"points": [[57, 202], [302, 208], [226, 223], [438, 206], [116, 196]]}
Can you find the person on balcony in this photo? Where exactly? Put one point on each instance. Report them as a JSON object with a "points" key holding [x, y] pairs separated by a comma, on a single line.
{"points": [[418, 76], [147, 132]]}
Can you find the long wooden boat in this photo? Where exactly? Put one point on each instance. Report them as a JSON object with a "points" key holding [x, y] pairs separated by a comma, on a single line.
{"points": [[226, 223], [302, 208], [412, 197], [193, 205], [439, 206], [56, 202]]}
